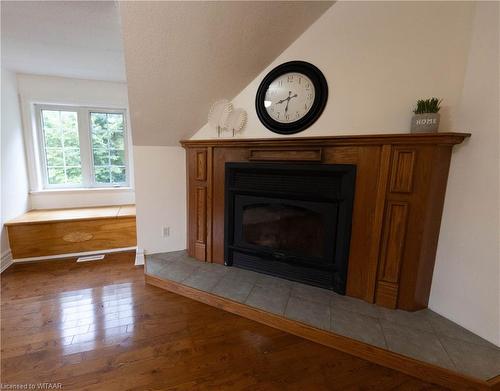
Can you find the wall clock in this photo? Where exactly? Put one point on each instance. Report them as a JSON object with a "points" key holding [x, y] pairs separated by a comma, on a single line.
{"points": [[291, 97]]}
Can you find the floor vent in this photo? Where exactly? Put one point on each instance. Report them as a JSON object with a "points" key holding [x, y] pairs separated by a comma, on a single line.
{"points": [[97, 257]]}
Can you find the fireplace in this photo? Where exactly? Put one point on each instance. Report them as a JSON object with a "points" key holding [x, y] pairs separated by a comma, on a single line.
{"points": [[290, 220]]}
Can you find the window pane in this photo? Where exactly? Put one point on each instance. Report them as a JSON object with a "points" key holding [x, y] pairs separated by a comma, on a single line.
{"points": [[108, 147], [117, 174], [61, 147], [56, 175], [102, 175]]}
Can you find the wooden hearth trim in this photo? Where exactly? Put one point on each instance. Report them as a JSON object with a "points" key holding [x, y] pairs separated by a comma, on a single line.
{"points": [[407, 365]]}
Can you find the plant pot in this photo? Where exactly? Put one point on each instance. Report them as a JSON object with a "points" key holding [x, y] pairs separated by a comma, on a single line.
{"points": [[427, 122]]}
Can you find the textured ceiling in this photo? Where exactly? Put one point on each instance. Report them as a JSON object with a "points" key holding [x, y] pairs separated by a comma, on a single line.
{"points": [[182, 56], [79, 39]]}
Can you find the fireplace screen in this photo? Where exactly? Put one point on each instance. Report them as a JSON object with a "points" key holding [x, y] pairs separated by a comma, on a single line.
{"points": [[292, 221], [285, 228]]}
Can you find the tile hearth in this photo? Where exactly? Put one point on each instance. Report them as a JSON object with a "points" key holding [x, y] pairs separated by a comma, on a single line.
{"points": [[423, 335]]}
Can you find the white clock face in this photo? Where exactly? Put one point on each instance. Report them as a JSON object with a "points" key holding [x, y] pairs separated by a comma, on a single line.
{"points": [[289, 97]]}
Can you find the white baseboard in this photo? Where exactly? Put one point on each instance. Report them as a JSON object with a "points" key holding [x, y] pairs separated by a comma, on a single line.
{"points": [[5, 261], [73, 255], [139, 257]]}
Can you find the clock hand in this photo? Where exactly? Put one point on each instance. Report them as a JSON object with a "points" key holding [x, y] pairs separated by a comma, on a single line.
{"points": [[288, 100]]}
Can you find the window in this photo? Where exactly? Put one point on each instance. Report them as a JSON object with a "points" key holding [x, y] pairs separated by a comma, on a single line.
{"points": [[82, 147]]}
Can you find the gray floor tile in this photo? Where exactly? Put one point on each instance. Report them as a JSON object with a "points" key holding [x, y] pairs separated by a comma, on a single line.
{"points": [[313, 313], [267, 281], [271, 299], [446, 327], [176, 271], [352, 304], [311, 293], [203, 279], [358, 326], [419, 344], [475, 360], [415, 320], [234, 287], [154, 265], [170, 256]]}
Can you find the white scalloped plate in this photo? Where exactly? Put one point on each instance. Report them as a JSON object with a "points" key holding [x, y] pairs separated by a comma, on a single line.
{"points": [[219, 113], [236, 120]]}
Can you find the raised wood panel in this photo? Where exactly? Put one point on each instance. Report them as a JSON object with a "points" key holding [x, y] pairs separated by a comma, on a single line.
{"points": [[201, 210], [201, 165], [394, 241], [424, 220], [289, 154], [402, 170], [54, 238]]}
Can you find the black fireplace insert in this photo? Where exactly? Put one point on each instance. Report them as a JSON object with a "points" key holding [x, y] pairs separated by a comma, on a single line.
{"points": [[290, 220]]}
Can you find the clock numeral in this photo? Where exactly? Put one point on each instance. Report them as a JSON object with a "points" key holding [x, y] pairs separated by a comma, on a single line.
{"points": [[300, 79], [305, 107], [278, 115], [297, 115], [287, 116], [290, 79], [310, 96], [308, 85], [281, 83], [271, 109]]}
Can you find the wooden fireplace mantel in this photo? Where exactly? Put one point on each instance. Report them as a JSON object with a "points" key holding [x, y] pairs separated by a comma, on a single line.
{"points": [[399, 195]]}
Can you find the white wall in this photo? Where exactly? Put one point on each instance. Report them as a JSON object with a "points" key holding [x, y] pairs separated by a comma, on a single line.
{"points": [[378, 59], [58, 90], [160, 197], [14, 181], [465, 286]]}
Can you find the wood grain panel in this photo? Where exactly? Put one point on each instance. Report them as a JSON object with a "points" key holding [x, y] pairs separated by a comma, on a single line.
{"points": [[387, 294], [201, 165], [73, 214], [201, 210], [402, 170], [362, 270], [289, 154], [43, 239], [394, 240]]}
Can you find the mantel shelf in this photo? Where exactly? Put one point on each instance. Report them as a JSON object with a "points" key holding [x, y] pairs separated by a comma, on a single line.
{"points": [[448, 138]]}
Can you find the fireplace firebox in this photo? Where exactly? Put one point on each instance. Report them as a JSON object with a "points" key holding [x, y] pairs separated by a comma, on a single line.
{"points": [[290, 220]]}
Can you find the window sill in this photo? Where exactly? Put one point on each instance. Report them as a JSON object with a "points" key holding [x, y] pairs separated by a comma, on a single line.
{"points": [[86, 190]]}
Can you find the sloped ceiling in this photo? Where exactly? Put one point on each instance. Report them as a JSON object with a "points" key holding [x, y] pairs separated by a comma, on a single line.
{"points": [[182, 56]]}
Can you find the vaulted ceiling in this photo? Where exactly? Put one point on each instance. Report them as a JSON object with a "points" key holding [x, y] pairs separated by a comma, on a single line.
{"points": [[182, 56]]}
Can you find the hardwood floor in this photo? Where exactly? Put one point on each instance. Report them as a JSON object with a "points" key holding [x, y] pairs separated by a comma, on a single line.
{"points": [[97, 326]]}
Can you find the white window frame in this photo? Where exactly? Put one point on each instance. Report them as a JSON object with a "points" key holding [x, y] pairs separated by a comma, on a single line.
{"points": [[85, 138]]}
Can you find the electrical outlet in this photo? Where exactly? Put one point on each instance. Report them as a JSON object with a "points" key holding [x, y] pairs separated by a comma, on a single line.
{"points": [[165, 232]]}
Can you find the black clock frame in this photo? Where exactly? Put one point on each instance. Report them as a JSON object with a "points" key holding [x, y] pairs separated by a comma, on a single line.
{"points": [[320, 99]]}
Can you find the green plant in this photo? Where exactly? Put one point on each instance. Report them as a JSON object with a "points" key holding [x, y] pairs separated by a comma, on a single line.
{"points": [[431, 105]]}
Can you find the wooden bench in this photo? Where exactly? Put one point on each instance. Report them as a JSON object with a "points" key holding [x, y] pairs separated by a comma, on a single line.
{"points": [[56, 232]]}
